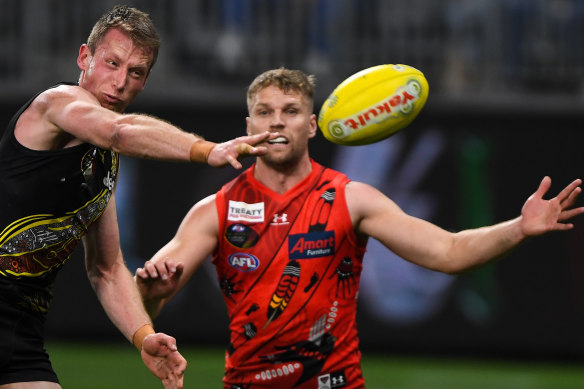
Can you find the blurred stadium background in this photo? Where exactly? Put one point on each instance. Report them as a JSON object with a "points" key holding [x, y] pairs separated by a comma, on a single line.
{"points": [[505, 109]]}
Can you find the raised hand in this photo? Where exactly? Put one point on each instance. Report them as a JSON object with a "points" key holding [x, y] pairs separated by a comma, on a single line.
{"points": [[158, 280], [230, 151], [539, 216]]}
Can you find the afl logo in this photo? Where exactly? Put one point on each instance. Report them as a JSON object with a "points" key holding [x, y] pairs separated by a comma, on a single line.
{"points": [[243, 262]]}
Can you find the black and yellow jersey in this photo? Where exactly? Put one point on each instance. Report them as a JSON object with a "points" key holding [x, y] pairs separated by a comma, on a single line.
{"points": [[48, 200]]}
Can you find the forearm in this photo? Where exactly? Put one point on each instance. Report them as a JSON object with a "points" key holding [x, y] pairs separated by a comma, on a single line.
{"points": [[145, 136], [153, 306], [120, 299], [474, 248]]}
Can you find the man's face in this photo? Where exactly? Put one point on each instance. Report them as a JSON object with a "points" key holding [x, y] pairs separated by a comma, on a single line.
{"points": [[291, 115], [116, 72]]}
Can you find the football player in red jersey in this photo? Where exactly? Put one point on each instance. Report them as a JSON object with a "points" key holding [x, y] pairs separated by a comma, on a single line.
{"points": [[288, 237]]}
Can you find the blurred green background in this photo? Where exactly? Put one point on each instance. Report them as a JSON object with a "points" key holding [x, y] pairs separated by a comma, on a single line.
{"points": [[112, 366]]}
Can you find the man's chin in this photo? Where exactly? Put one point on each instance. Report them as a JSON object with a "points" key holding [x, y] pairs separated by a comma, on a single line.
{"points": [[279, 162]]}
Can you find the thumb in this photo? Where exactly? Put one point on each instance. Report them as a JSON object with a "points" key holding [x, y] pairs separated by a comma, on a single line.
{"points": [[153, 344]]}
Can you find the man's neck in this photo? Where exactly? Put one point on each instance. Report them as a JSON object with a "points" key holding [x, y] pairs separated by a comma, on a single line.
{"points": [[282, 179]]}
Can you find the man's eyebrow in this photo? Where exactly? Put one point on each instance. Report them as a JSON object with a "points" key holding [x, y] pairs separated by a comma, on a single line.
{"points": [[262, 105]]}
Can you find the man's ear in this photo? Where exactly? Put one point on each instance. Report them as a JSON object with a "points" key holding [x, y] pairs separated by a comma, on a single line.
{"points": [[313, 126], [84, 57], [247, 126]]}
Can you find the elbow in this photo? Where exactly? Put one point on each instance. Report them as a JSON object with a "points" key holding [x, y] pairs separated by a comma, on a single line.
{"points": [[450, 265], [117, 135], [457, 267], [450, 268], [455, 271], [97, 276], [101, 276], [120, 134]]}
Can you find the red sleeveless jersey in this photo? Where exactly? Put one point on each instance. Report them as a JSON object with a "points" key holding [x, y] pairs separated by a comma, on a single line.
{"points": [[289, 268]]}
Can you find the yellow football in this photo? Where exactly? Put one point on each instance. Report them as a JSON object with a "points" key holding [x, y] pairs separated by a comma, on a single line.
{"points": [[373, 104]]}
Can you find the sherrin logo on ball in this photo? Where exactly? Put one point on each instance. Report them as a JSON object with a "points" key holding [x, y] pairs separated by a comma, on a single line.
{"points": [[373, 104]]}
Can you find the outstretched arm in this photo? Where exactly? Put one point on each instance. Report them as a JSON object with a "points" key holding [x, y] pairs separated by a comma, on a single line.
{"points": [[430, 246], [173, 265], [115, 289], [72, 115]]}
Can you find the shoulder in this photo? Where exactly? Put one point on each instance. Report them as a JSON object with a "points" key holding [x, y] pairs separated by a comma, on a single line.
{"points": [[359, 193], [365, 201], [201, 218], [202, 209], [355, 190], [60, 96], [66, 92]]}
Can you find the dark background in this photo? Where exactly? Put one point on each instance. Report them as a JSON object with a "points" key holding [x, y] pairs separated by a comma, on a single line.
{"points": [[505, 100], [539, 287]]}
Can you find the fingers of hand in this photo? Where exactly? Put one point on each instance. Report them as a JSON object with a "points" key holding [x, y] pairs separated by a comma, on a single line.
{"points": [[570, 213], [233, 162], [150, 269], [568, 196], [257, 138], [570, 200], [543, 187], [244, 149], [171, 343], [163, 270], [141, 273]]}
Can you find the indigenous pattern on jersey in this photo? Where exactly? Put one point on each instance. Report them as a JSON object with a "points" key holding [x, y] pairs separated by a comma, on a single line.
{"points": [[48, 200], [289, 268]]}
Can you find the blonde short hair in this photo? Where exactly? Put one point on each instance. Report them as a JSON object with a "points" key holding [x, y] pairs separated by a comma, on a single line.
{"points": [[133, 22], [285, 79]]}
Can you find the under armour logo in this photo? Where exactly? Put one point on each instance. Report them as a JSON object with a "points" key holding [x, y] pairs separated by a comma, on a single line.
{"points": [[280, 218]]}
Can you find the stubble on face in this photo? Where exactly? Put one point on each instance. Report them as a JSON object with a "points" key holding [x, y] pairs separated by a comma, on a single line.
{"points": [[287, 113]]}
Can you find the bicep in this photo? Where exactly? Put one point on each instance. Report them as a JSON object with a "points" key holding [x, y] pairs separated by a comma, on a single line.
{"points": [[77, 112], [413, 239]]}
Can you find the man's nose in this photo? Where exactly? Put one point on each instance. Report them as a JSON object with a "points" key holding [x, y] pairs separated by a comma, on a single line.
{"points": [[120, 79], [277, 120]]}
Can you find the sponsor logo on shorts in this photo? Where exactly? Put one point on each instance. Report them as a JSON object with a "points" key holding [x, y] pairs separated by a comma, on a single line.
{"points": [[243, 262], [276, 372], [333, 380], [311, 245], [240, 211]]}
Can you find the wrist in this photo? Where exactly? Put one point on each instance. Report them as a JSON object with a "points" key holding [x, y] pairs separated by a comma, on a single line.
{"points": [[140, 334], [200, 150]]}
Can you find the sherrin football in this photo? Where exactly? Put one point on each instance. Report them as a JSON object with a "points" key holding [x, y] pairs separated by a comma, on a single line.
{"points": [[373, 104]]}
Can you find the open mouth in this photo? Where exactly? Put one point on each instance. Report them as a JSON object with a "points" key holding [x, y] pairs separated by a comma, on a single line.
{"points": [[278, 140]]}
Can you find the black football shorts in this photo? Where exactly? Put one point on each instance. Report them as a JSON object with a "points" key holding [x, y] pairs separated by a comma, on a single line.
{"points": [[22, 354]]}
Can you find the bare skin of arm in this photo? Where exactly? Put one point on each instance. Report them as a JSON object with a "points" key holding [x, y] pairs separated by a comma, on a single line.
{"points": [[113, 283], [432, 247], [69, 115], [173, 265]]}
